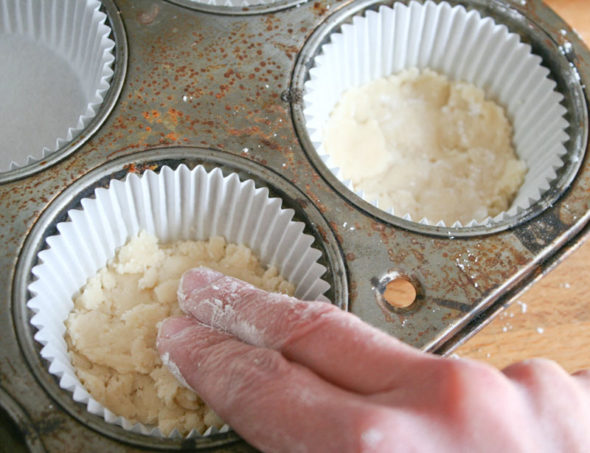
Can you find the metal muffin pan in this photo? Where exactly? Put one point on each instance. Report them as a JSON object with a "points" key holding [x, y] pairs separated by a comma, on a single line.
{"points": [[223, 89]]}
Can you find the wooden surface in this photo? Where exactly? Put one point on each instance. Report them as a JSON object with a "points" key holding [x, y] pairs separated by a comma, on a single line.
{"points": [[552, 319]]}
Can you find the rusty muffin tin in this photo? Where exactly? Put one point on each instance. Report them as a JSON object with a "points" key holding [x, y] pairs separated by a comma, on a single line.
{"points": [[222, 87]]}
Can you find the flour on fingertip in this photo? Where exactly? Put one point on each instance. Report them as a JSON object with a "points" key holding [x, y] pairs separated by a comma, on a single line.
{"points": [[371, 438], [173, 368]]}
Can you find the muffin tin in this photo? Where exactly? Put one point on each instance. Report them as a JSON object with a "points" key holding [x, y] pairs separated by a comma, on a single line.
{"points": [[223, 88]]}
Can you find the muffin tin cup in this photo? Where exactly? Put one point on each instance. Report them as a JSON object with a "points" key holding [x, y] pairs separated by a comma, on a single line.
{"points": [[60, 59], [462, 45], [172, 204]]}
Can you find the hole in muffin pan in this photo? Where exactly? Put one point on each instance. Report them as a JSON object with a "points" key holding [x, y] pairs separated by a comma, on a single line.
{"points": [[110, 98], [562, 71], [154, 161], [397, 291]]}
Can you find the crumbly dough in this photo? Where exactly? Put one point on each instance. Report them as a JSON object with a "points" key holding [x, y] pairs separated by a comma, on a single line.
{"points": [[112, 329], [421, 144]]}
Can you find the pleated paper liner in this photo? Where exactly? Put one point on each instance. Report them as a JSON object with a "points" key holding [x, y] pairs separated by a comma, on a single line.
{"points": [[464, 46], [56, 69], [179, 204]]}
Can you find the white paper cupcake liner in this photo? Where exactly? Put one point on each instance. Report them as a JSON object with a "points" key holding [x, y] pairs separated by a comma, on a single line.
{"points": [[179, 204], [56, 68], [464, 46]]}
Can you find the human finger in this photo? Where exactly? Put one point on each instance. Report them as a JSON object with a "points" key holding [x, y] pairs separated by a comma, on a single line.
{"points": [[565, 420], [334, 344], [275, 404], [583, 377]]}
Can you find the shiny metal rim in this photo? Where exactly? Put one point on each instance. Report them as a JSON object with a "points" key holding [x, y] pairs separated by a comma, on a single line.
{"points": [[238, 10]]}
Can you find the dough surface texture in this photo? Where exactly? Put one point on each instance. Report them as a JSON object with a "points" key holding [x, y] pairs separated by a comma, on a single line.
{"points": [[425, 146], [112, 329]]}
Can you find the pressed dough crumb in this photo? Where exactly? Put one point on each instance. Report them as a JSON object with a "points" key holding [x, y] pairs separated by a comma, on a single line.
{"points": [[425, 146], [111, 331]]}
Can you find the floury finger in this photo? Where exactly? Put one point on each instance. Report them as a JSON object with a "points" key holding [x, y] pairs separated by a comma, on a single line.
{"points": [[334, 344], [275, 404]]}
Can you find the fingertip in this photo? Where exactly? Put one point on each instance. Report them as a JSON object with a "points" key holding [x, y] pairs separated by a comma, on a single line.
{"points": [[170, 329], [195, 279], [170, 343]]}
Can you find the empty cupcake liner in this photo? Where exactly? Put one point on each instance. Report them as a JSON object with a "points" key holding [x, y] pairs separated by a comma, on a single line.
{"points": [[464, 46], [179, 204], [57, 64]]}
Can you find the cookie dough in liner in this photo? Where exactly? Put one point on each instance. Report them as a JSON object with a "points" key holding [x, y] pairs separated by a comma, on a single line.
{"points": [[464, 46], [56, 68], [172, 205]]}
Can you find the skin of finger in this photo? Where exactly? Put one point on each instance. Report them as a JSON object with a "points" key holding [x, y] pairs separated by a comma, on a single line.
{"points": [[583, 378], [274, 404], [467, 406], [560, 403], [447, 395], [334, 344], [278, 406]]}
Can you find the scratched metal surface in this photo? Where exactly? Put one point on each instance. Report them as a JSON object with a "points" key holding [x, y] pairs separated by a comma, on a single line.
{"points": [[203, 85]]}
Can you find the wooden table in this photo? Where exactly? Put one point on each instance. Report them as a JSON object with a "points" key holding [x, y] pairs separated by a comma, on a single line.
{"points": [[552, 318]]}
